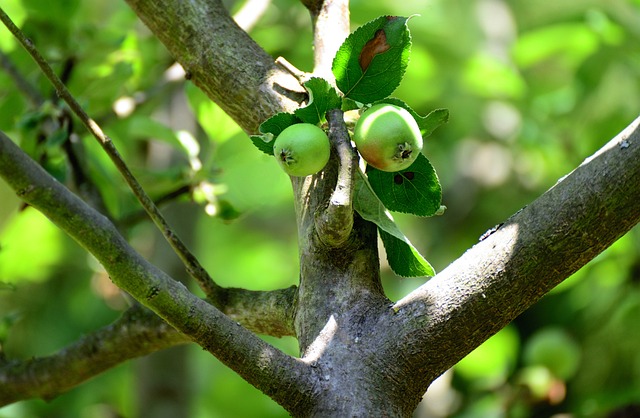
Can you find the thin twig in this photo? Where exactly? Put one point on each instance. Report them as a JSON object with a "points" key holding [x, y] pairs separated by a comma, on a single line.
{"points": [[21, 83], [193, 266], [134, 218]]}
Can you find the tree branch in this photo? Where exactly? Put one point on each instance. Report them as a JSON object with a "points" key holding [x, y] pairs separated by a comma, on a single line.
{"points": [[192, 264], [136, 333], [510, 270], [331, 27], [21, 83], [221, 59], [334, 223], [280, 376]]}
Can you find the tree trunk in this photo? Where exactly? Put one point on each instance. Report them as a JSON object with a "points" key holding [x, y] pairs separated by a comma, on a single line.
{"points": [[361, 355]]}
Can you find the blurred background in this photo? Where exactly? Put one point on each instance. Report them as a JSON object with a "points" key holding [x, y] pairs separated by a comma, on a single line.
{"points": [[533, 87]]}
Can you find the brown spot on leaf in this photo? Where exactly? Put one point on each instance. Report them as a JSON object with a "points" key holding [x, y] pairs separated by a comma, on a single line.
{"points": [[409, 175], [398, 179], [373, 47]]}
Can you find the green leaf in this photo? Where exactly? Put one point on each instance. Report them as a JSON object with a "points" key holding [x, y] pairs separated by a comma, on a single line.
{"points": [[415, 190], [57, 138], [263, 142], [427, 124], [403, 258], [372, 60], [144, 127], [322, 97], [271, 128], [218, 126], [348, 104]]}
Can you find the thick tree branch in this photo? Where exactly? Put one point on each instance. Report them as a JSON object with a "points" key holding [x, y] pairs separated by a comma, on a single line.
{"points": [[222, 59], [280, 376], [137, 333], [536, 249]]}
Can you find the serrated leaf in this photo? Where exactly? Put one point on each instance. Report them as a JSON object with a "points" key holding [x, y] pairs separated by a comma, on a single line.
{"points": [[278, 123], [415, 190], [403, 258], [271, 128], [427, 124], [371, 62], [322, 97], [263, 142]]}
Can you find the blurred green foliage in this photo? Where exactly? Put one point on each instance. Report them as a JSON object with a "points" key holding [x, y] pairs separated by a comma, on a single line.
{"points": [[533, 87]]}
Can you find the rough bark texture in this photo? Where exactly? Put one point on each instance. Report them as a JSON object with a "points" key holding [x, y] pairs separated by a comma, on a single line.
{"points": [[361, 354], [260, 363], [221, 59]]}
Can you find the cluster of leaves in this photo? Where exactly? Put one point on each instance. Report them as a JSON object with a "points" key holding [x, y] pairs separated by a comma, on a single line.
{"points": [[368, 67]]}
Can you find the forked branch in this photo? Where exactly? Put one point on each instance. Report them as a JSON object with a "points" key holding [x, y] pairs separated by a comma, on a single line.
{"points": [[277, 374], [511, 269]]}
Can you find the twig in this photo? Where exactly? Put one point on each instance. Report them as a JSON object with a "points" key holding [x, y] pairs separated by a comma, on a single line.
{"points": [[136, 217], [23, 85], [335, 222], [193, 266]]}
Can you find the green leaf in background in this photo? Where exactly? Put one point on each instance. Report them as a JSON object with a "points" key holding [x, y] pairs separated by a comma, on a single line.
{"points": [[570, 43], [57, 138], [322, 97], [372, 61], [415, 190], [402, 256], [427, 124], [139, 126], [271, 128], [218, 126], [487, 76]]}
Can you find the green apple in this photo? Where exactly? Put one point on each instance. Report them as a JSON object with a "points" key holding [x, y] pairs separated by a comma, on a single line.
{"points": [[388, 137], [302, 149]]}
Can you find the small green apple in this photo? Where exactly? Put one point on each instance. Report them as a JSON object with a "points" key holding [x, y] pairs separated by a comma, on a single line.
{"points": [[388, 137], [302, 149]]}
